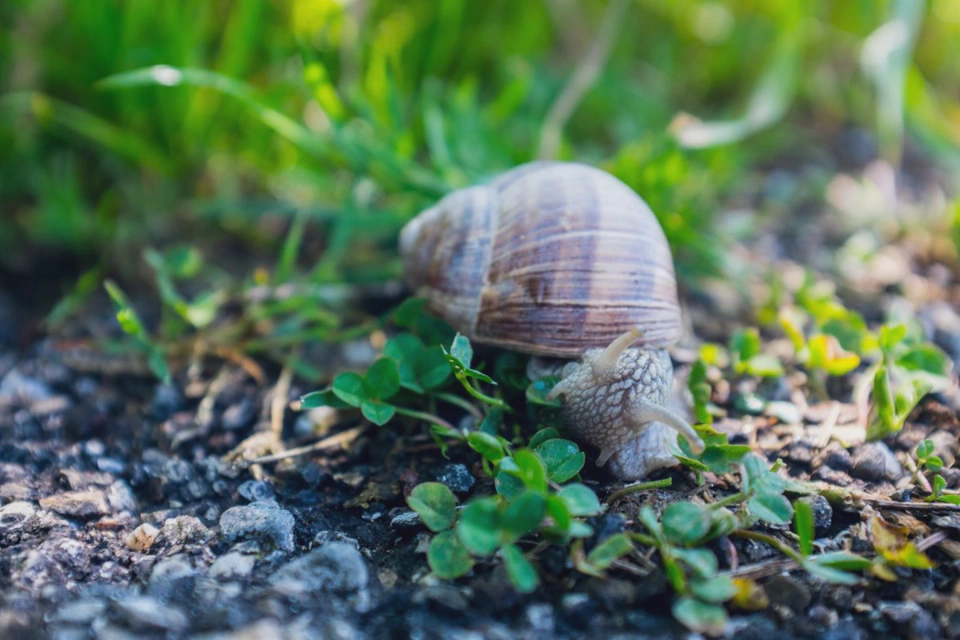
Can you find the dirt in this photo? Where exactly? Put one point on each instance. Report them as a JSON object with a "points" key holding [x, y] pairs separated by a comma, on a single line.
{"points": [[121, 519]]}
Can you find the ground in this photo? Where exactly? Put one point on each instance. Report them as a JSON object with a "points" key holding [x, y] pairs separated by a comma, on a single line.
{"points": [[121, 517]]}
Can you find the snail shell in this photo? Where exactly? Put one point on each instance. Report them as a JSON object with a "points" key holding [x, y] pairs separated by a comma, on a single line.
{"points": [[549, 259]]}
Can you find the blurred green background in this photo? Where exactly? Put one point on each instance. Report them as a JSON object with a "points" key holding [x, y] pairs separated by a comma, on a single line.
{"points": [[352, 115]]}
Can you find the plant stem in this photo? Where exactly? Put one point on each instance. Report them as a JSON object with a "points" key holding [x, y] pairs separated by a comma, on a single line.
{"points": [[460, 402], [479, 395], [740, 496], [638, 487], [643, 539], [426, 417], [783, 548]]}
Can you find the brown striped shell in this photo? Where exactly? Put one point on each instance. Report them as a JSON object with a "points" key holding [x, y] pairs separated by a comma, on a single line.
{"points": [[549, 259]]}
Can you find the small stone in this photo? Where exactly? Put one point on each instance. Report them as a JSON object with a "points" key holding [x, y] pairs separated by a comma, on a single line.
{"points": [[405, 520], [442, 596], [147, 612], [326, 537], [255, 490], [184, 529], [78, 504], [12, 492], [19, 388], [822, 514], [838, 458], [823, 616], [231, 566], [540, 617], [80, 611], [457, 478], [15, 516], [875, 462], [334, 567], [788, 592], [142, 538], [166, 401], [239, 415], [120, 497], [264, 521]]}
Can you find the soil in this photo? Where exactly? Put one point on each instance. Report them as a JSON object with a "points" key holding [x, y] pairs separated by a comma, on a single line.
{"points": [[120, 517]]}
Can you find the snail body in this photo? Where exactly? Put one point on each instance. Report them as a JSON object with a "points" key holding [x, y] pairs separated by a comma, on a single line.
{"points": [[562, 260]]}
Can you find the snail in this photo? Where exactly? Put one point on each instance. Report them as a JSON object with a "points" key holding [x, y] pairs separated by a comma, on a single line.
{"points": [[562, 260]]}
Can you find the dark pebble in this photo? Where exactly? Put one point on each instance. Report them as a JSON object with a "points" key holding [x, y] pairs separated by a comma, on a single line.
{"points": [[457, 478], [875, 462], [335, 567], [264, 522], [239, 415], [255, 490], [789, 592]]}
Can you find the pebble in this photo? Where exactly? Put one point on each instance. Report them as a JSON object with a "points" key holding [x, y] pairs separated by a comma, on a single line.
{"points": [[335, 567], [945, 446], [12, 492], [787, 591], [79, 611], [255, 490], [78, 504], [326, 537], [16, 387], [183, 529], [147, 612], [875, 462], [263, 521], [540, 617], [231, 566], [166, 401], [239, 415], [457, 478], [405, 520], [142, 538]]}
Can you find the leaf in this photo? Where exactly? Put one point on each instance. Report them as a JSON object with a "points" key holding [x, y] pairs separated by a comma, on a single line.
{"points": [[758, 478], [508, 484], [925, 449], [492, 421], [716, 589], [773, 508], [349, 387], [891, 335], [580, 500], [700, 617], [562, 458], [685, 523], [486, 445], [530, 470], [478, 525], [744, 344], [933, 463], [462, 350], [827, 354], [379, 413], [803, 523], [538, 390], [435, 504], [321, 398], [167, 76], [382, 379], [432, 369], [891, 543], [701, 561], [829, 574], [542, 436], [521, 573], [749, 596], [842, 560], [447, 557], [607, 552], [764, 366], [560, 512], [523, 514]]}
